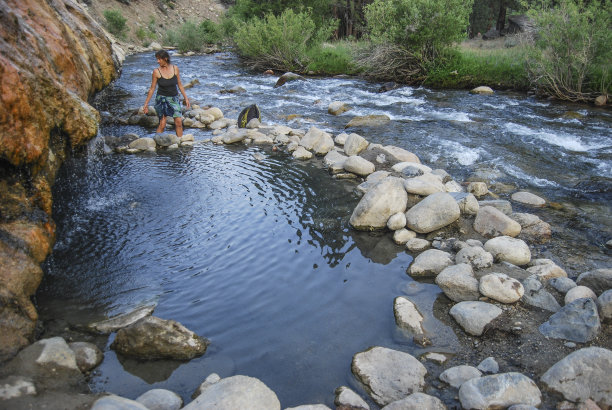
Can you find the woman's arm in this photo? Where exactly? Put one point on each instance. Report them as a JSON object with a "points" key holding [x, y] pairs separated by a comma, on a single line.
{"points": [[145, 108], [180, 86]]}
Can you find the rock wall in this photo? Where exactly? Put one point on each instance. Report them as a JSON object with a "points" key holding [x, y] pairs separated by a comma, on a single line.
{"points": [[53, 58]]}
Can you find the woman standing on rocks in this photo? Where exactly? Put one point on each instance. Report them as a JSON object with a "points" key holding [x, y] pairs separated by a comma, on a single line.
{"points": [[167, 104]]}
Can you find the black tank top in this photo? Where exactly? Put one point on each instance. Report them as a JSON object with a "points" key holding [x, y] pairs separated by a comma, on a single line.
{"points": [[167, 86]]}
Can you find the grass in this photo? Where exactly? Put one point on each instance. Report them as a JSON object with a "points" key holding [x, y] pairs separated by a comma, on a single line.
{"points": [[475, 63], [332, 58]]}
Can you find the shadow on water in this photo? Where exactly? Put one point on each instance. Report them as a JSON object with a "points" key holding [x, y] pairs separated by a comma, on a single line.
{"points": [[258, 255]]}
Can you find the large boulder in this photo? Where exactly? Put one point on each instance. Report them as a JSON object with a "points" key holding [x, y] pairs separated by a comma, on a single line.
{"points": [[236, 392], [434, 212], [388, 375], [155, 338], [582, 375], [384, 199], [499, 391]]}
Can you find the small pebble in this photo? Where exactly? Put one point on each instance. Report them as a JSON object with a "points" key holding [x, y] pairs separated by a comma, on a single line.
{"points": [[571, 345]]}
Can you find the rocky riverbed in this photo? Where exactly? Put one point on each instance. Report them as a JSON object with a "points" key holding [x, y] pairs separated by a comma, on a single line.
{"points": [[529, 335]]}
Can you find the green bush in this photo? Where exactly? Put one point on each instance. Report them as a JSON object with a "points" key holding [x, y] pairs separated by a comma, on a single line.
{"points": [[115, 22], [572, 56], [280, 42], [192, 37], [332, 59], [424, 27]]}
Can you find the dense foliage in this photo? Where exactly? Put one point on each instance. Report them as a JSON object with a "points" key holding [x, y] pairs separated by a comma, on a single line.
{"points": [[572, 56], [280, 42]]}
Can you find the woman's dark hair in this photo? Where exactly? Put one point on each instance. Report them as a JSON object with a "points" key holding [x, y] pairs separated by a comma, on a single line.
{"points": [[163, 54]]}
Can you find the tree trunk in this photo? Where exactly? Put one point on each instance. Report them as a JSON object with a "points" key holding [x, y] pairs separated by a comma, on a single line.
{"points": [[501, 17]]}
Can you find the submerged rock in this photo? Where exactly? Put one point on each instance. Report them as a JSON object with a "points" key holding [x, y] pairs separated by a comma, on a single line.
{"points": [[155, 338], [120, 321], [388, 375], [527, 198], [368, 121], [348, 398], [581, 375], [407, 315], [87, 355]]}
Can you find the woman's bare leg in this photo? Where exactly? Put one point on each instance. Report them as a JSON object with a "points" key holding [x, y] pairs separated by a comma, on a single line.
{"points": [[178, 125], [162, 125]]}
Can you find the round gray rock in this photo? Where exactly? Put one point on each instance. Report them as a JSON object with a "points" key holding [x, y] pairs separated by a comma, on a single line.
{"points": [[499, 391], [474, 316], [507, 249], [489, 365], [397, 221], [583, 374], [236, 392], [458, 283], [579, 292], [430, 263], [388, 375], [604, 302], [456, 376], [160, 399], [87, 355], [491, 222], [434, 212]]}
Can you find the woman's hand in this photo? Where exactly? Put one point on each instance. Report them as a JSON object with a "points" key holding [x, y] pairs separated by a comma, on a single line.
{"points": [[187, 103], [145, 108]]}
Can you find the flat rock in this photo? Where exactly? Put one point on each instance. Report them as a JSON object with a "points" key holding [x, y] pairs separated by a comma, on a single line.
{"points": [[458, 283], [474, 316], [407, 315], [160, 399], [236, 392], [499, 391], [384, 199], [456, 376], [417, 401], [507, 249], [501, 287], [430, 263], [581, 375], [368, 121], [347, 397], [491, 222], [599, 280], [417, 244], [155, 338], [528, 198], [578, 322], [434, 212], [388, 375]]}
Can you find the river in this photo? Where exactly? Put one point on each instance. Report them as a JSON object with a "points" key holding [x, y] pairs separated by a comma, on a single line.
{"points": [[258, 256]]}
